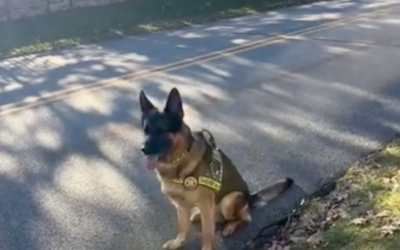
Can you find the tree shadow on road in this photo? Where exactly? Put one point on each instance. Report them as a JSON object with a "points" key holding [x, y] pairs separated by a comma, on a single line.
{"points": [[36, 75]]}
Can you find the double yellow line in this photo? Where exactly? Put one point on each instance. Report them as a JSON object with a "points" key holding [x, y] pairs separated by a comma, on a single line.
{"points": [[141, 74]]}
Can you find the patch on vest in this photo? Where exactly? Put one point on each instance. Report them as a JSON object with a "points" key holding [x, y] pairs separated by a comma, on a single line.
{"points": [[190, 183], [216, 169], [212, 179]]}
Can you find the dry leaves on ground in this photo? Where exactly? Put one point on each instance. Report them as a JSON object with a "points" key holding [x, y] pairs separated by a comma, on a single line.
{"points": [[365, 200]]}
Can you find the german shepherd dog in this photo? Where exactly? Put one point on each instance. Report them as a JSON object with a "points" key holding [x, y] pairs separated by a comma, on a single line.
{"points": [[197, 177]]}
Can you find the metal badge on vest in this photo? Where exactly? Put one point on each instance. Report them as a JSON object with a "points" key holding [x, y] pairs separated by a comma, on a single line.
{"points": [[212, 179]]}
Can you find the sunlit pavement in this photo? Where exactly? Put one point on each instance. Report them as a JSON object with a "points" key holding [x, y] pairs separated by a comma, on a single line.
{"points": [[304, 105]]}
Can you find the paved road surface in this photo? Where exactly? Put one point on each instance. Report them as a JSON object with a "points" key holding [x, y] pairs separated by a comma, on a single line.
{"points": [[304, 105]]}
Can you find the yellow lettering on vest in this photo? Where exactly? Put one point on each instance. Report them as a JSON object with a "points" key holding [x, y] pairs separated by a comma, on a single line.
{"points": [[204, 181], [210, 183]]}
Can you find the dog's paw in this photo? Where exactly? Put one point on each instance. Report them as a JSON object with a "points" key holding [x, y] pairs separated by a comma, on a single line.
{"points": [[173, 244], [230, 228]]}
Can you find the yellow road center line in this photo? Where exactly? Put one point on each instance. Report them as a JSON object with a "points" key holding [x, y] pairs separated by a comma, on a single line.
{"points": [[141, 74]]}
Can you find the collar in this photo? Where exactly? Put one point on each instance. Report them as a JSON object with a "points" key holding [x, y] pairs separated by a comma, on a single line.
{"points": [[182, 156]]}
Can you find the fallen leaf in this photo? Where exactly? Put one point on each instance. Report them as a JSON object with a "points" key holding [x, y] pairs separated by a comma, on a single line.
{"points": [[397, 223], [382, 214], [307, 220], [358, 221], [370, 215], [389, 229], [326, 224], [333, 215], [299, 232], [315, 240], [395, 186], [377, 165], [337, 197], [297, 239]]}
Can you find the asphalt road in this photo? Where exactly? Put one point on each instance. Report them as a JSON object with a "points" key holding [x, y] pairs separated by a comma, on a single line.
{"points": [[303, 104]]}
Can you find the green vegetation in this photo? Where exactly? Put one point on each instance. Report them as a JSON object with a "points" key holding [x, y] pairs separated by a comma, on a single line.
{"points": [[362, 213], [86, 25]]}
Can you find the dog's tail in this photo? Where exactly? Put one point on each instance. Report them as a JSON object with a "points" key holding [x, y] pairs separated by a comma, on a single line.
{"points": [[270, 192]]}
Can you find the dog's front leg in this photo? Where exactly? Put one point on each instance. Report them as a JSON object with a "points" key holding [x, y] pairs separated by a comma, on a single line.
{"points": [[184, 226], [207, 215]]}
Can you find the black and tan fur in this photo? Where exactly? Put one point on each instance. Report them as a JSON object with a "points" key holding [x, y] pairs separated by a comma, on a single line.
{"points": [[169, 138]]}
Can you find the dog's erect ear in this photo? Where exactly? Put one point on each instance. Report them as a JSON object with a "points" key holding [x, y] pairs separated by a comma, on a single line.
{"points": [[174, 103], [145, 105]]}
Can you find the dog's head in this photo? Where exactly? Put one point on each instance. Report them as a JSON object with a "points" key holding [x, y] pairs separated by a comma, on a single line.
{"points": [[161, 128]]}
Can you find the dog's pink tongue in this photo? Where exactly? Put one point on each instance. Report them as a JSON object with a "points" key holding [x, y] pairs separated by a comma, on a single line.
{"points": [[151, 162]]}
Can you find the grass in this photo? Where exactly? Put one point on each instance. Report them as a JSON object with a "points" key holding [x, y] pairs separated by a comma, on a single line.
{"points": [[87, 25], [362, 213]]}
